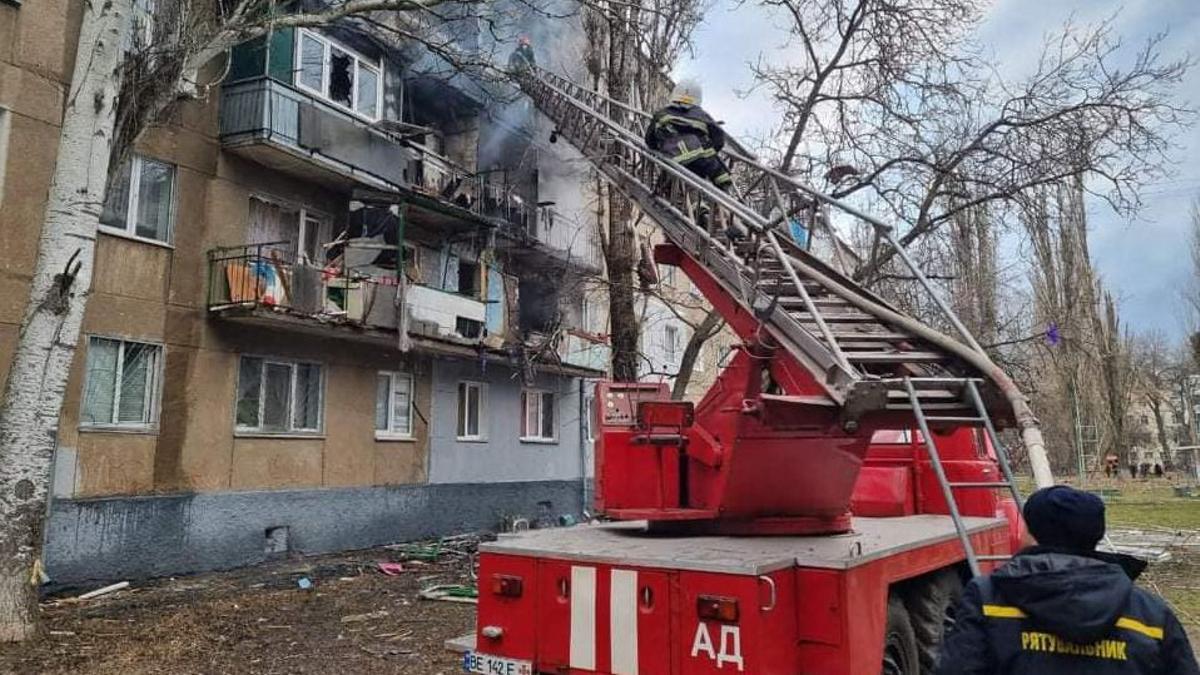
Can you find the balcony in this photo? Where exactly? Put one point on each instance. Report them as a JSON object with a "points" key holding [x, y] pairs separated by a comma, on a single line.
{"points": [[283, 128], [266, 285]]}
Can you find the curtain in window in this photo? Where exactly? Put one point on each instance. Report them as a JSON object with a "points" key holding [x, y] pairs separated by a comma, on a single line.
{"points": [[402, 404], [101, 381], [116, 199], [271, 223], [308, 396], [382, 390], [249, 391], [136, 374], [154, 200], [312, 62], [277, 384]]}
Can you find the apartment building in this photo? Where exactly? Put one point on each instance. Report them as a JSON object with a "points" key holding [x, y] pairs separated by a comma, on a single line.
{"points": [[336, 303]]}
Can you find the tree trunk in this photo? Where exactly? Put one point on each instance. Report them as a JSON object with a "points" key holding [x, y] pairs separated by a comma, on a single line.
{"points": [[623, 318], [687, 364], [37, 381]]}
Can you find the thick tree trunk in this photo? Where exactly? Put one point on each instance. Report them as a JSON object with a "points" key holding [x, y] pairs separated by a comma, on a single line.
{"points": [[687, 364], [622, 254], [33, 394]]}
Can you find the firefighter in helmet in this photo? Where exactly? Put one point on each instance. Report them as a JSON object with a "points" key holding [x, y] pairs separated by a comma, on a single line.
{"points": [[685, 133], [522, 57]]}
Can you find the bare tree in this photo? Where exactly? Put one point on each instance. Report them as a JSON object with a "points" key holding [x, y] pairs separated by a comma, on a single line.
{"points": [[630, 47], [110, 101]]}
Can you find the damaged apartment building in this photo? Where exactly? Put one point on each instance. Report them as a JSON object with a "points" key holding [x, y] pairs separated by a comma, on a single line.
{"points": [[341, 301]]}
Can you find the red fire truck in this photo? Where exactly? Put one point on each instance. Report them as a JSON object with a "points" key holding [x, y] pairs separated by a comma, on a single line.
{"points": [[816, 512]]}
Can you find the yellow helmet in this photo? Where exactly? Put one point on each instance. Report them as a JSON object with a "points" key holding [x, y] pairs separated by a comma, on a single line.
{"points": [[687, 92]]}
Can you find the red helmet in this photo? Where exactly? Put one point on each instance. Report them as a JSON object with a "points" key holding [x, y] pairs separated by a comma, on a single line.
{"points": [[523, 40]]}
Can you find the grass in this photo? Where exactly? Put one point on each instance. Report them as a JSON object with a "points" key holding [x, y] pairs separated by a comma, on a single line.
{"points": [[1177, 514]]}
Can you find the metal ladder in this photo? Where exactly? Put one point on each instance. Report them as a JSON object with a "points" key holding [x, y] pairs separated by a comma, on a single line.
{"points": [[970, 388], [814, 311]]}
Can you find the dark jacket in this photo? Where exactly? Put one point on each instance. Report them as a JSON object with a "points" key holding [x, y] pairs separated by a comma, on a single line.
{"points": [[522, 58], [1052, 612], [685, 133]]}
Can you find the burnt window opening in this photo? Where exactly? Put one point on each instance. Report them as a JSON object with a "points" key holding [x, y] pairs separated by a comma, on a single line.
{"points": [[468, 328], [538, 306], [468, 278], [341, 77]]}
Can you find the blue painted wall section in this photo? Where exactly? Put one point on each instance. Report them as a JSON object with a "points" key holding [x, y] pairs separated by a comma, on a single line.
{"points": [[140, 537]]}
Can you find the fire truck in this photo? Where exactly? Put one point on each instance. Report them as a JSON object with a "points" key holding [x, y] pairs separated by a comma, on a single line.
{"points": [[818, 510]]}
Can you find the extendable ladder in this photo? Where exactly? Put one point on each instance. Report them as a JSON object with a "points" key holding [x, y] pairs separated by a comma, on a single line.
{"points": [[949, 487], [866, 354]]}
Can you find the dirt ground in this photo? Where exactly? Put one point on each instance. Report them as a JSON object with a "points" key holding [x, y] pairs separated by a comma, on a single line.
{"points": [[259, 620], [355, 619]]}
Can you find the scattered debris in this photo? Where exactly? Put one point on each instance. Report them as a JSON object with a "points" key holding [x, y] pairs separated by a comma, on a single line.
{"points": [[369, 616], [391, 568], [451, 593], [304, 583], [112, 588]]}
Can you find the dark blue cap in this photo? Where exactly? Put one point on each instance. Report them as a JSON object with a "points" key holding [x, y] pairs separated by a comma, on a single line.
{"points": [[1063, 517]]}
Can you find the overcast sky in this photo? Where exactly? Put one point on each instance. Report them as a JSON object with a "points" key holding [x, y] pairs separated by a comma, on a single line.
{"points": [[1143, 261]]}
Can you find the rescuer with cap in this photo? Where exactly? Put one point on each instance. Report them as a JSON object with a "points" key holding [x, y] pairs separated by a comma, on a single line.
{"points": [[1061, 606], [685, 133], [522, 57]]}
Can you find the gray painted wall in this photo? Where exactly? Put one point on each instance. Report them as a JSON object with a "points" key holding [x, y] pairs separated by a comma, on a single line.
{"points": [[504, 457], [139, 537]]}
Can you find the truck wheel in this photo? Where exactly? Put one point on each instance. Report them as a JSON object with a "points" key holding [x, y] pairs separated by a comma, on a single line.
{"points": [[931, 602], [900, 642]]}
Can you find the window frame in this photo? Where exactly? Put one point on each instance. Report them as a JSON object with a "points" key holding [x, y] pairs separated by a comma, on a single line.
{"points": [[129, 231], [154, 388], [389, 434], [671, 343], [460, 431], [542, 395], [360, 61], [240, 430]]}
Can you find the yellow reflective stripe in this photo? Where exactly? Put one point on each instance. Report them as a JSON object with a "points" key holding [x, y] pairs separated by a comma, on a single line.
{"points": [[688, 156], [1139, 627], [685, 121], [1003, 612]]}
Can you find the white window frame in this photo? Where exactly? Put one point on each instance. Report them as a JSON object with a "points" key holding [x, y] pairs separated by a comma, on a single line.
{"points": [[305, 217], [390, 433], [540, 396], [460, 433], [360, 61], [153, 388], [671, 343], [129, 230], [292, 430]]}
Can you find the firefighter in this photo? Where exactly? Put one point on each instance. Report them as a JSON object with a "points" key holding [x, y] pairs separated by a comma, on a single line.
{"points": [[522, 57], [683, 131], [1060, 606]]}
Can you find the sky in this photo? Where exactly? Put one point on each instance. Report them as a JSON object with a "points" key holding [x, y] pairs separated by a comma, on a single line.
{"points": [[1142, 260]]}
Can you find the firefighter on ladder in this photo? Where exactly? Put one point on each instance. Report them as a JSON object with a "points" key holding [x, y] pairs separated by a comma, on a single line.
{"points": [[685, 133]]}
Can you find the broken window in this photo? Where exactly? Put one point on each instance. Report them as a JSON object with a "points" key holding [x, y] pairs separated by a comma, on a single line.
{"points": [[339, 75], [277, 396], [472, 410], [298, 231], [537, 415], [122, 381], [468, 278]]}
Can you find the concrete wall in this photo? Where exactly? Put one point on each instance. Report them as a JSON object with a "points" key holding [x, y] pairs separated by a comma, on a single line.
{"points": [[504, 457], [130, 538]]}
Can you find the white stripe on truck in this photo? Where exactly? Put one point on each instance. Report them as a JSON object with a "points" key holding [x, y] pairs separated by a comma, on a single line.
{"points": [[623, 617], [583, 618]]}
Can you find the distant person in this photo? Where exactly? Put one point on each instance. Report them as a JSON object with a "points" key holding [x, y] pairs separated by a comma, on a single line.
{"points": [[522, 58], [1061, 607]]}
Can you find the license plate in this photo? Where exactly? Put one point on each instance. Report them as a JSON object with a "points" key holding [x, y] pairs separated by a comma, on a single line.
{"points": [[495, 665]]}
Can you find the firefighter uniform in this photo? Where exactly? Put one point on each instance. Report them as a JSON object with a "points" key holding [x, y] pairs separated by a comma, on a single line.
{"points": [[1063, 607], [686, 133]]}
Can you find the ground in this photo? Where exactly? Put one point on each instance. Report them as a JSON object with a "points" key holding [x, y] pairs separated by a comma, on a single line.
{"points": [[355, 619]]}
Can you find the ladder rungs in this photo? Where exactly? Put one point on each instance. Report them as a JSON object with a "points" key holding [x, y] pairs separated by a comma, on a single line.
{"points": [[982, 484], [990, 558], [898, 357], [956, 419]]}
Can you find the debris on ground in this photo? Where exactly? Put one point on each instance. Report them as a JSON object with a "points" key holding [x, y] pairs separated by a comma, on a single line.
{"points": [[111, 588], [451, 593]]}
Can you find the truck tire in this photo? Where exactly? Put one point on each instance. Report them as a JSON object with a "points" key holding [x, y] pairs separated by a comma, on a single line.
{"points": [[900, 655], [931, 601]]}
